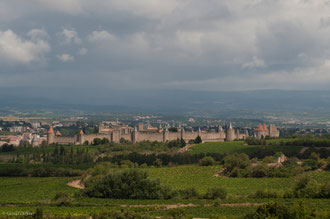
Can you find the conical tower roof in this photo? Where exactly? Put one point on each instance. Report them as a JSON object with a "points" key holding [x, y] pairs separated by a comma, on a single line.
{"points": [[51, 130], [81, 132], [265, 127], [260, 128]]}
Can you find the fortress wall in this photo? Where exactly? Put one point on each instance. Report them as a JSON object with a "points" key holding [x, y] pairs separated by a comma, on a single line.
{"points": [[189, 136], [242, 136], [127, 137], [91, 137], [150, 136], [173, 136], [211, 136], [65, 140]]}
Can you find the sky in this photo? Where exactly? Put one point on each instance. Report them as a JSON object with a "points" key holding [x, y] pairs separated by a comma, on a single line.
{"points": [[128, 45]]}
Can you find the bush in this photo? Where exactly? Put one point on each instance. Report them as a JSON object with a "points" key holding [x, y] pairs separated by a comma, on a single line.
{"points": [[260, 171], [281, 211], [7, 148], [265, 194], [129, 184], [62, 199], [271, 210], [207, 161], [310, 164], [216, 193], [123, 213], [189, 193], [236, 160]]}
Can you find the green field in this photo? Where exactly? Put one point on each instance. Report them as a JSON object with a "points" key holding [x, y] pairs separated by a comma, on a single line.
{"points": [[239, 147], [27, 193]]}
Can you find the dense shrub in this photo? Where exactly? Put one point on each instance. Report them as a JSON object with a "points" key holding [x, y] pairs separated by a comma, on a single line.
{"points": [[309, 188], [207, 161], [281, 211], [129, 184], [7, 148], [177, 143], [236, 160], [271, 210], [21, 170], [265, 194], [216, 193], [62, 199], [121, 214], [189, 193]]}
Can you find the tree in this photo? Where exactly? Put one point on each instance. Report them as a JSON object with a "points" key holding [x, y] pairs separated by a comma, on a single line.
{"points": [[198, 140], [129, 184], [240, 161]]}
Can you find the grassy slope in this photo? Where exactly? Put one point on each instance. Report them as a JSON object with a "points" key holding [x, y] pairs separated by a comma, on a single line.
{"points": [[41, 190], [238, 147], [31, 190]]}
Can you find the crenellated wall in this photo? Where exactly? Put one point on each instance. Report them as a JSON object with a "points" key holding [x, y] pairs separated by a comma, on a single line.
{"points": [[149, 136], [65, 140], [129, 134]]}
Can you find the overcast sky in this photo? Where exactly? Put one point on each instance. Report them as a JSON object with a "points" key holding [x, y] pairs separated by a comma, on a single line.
{"points": [[166, 44]]}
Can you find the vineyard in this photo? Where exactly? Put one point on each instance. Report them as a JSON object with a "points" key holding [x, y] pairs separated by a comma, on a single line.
{"points": [[240, 147], [26, 194]]}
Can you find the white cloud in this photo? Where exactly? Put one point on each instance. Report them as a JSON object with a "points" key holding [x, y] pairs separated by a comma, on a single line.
{"points": [[65, 57], [100, 36], [17, 50], [37, 34], [68, 36], [255, 63], [82, 51]]}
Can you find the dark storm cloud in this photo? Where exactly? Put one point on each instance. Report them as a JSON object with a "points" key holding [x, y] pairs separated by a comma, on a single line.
{"points": [[186, 44]]}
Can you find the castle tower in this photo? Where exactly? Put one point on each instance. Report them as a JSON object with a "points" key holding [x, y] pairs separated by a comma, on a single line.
{"points": [[35, 141], [81, 138], [220, 128], [135, 135], [261, 131], [50, 135], [182, 133], [160, 129], [230, 133], [140, 127], [165, 134]]}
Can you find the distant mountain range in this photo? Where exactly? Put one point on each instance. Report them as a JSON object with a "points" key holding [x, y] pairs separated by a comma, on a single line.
{"points": [[254, 103]]}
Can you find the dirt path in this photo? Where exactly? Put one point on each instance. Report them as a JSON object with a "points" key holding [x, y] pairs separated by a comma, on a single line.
{"points": [[76, 184]]}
